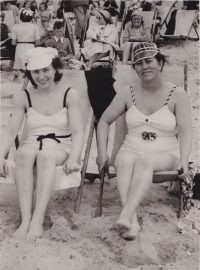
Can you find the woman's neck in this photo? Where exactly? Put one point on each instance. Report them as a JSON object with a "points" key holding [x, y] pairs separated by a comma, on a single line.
{"points": [[47, 90], [153, 85]]}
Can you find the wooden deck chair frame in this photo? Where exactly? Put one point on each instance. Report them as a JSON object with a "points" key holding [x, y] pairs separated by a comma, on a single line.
{"points": [[190, 17], [91, 19], [164, 12], [151, 24], [10, 21], [158, 177]]}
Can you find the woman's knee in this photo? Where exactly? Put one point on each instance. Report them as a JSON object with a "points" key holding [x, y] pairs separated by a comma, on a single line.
{"points": [[46, 157], [145, 161], [24, 156], [125, 159]]}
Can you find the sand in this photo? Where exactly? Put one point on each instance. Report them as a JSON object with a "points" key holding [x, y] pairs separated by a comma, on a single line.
{"points": [[79, 241]]}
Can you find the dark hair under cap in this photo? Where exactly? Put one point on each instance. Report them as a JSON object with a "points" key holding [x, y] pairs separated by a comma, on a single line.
{"points": [[26, 15]]}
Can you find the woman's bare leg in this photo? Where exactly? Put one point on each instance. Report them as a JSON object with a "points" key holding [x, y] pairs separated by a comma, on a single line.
{"points": [[142, 180], [95, 58], [47, 160], [24, 182], [125, 162]]}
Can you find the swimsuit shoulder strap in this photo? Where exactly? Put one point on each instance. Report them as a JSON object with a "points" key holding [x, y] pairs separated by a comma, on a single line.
{"points": [[65, 95], [132, 93], [170, 94], [28, 97]]}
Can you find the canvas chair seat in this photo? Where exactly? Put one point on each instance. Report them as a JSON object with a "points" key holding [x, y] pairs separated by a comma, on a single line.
{"points": [[184, 22], [9, 19]]}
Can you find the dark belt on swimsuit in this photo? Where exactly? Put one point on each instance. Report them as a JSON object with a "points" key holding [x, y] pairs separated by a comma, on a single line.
{"points": [[26, 42], [51, 136]]}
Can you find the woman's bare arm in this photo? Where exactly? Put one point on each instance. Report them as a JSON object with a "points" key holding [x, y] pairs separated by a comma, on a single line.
{"points": [[116, 108], [14, 124]]}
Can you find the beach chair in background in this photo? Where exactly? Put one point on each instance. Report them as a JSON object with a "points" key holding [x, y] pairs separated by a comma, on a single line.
{"points": [[9, 19], [184, 22], [125, 75], [90, 20], [71, 78], [149, 21], [164, 12]]}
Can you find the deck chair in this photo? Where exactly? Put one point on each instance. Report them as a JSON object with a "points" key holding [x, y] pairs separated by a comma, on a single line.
{"points": [[149, 21], [75, 79], [184, 23], [125, 75], [9, 19], [92, 19], [164, 12], [4, 52]]}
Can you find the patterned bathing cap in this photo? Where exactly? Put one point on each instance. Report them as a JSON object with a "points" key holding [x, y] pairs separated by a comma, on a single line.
{"points": [[144, 50]]}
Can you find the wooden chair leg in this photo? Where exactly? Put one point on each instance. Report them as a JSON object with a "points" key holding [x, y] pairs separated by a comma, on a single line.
{"points": [[180, 210], [84, 168], [98, 210]]}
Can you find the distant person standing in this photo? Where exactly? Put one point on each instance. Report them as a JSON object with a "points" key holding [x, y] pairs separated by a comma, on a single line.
{"points": [[26, 36], [80, 9]]}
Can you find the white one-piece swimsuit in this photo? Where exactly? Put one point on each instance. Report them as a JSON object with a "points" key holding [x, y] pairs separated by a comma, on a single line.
{"points": [[48, 131], [162, 124]]}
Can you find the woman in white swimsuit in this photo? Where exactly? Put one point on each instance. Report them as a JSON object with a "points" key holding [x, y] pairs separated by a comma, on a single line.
{"points": [[55, 137], [156, 111]]}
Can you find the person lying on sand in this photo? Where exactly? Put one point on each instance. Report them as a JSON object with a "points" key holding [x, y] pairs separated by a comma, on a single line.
{"points": [[55, 137], [150, 144]]}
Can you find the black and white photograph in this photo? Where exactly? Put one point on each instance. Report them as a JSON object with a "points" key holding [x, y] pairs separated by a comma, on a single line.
{"points": [[92, 175]]}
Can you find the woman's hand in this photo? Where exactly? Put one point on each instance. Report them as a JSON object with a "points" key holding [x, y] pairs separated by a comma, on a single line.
{"points": [[183, 167], [3, 168], [102, 161], [71, 166]]}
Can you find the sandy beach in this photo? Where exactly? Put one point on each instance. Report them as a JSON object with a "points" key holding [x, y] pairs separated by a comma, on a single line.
{"points": [[79, 241]]}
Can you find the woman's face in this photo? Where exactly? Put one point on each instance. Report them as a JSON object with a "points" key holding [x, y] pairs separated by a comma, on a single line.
{"points": [[137, 21], [44, 77], [42, 7], [100, 19], [147, 69], [28, 4]]}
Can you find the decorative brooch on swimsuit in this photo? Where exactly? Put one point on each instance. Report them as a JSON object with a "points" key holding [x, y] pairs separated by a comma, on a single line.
{"points": [[149, 136]]}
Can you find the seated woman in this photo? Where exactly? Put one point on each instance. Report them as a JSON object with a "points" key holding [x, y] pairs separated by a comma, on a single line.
{"points": [[55, 137], [150, 143], [101, 39], [134, 33]]}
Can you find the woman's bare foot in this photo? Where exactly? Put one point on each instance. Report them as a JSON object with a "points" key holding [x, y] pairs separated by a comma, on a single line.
{"points": [[132, 233], [35, 231], [123, 223], [22, 230]]}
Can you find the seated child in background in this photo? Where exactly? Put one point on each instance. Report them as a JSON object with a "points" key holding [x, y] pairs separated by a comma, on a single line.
{"points": [[59, 42]]}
